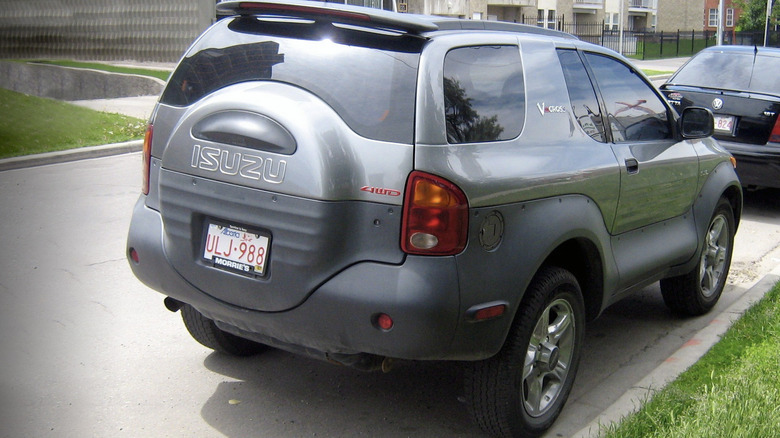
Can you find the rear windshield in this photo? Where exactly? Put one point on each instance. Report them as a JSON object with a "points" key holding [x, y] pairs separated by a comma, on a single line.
{"points": [[368, 79], [732, 71]]}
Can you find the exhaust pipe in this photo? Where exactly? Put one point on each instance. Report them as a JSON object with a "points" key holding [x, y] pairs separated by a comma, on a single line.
{"points": [[172, 305]]}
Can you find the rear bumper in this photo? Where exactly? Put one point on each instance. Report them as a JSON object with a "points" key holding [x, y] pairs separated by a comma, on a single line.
{"points": [[757, 165], [421, 295]]}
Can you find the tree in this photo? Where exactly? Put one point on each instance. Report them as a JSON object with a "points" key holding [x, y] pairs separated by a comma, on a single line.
{"points": [[753, 17], [464, 124]]}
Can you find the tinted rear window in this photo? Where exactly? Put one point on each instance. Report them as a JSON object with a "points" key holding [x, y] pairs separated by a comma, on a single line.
{"points": [[368, 81], [484, 94], [732, 71]]}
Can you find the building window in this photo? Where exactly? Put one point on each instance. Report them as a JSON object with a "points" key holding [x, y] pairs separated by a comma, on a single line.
{"points": [[551, 19], [713, 20], [729, 17], [611, 21]]}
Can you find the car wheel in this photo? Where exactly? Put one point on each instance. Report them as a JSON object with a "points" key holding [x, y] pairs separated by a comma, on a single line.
{"points": [[208, 334], [696, 292], [521, 390]]}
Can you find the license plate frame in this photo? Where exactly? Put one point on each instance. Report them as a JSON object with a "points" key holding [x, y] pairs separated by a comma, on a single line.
{"points": [[235, 248], [723, 124]]}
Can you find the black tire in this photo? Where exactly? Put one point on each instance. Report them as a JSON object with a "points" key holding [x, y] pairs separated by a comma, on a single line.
{"points": [[208, 334], [697, 292], [521, 391]]}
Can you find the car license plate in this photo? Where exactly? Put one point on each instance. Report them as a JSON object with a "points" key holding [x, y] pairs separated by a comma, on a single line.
{"points": [[724, 123], [236, 248]]}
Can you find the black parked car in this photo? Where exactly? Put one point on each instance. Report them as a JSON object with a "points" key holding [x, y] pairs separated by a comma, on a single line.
{"points": [[741, 84]]}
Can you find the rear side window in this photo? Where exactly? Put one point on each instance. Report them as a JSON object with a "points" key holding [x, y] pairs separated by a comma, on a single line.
{"points": [[370, 84], [634, 111], [583, 98], [484, 94], [732, 71]]}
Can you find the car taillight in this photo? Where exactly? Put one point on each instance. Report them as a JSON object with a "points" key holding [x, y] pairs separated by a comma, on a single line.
{"points": [[775, 135], [435, 216], [147, 157]]}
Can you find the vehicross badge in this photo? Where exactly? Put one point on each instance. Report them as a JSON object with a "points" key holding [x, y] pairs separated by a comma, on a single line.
{"points": [[235, 163]]}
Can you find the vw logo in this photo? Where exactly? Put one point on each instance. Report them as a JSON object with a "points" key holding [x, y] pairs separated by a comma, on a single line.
{"points": [[717, 104]]}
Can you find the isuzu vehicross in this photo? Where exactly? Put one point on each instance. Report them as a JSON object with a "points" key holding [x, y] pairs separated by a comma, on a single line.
{"points": [[362, 186]]}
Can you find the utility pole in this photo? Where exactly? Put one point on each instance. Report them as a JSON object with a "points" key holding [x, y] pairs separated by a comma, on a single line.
{"points": [[769, 4], [620, 29], [719, 22]]}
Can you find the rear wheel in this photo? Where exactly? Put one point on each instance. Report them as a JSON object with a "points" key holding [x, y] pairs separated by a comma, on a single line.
{"points": [[696, 292], [208, 334], [521, 390]]}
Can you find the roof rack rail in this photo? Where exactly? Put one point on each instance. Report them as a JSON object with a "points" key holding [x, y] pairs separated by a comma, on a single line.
{"points": [[449, 24], [332, 12]]}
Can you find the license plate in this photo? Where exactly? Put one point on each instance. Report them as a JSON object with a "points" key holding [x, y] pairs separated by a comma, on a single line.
{"points": [[236, 249], [724, 123]]}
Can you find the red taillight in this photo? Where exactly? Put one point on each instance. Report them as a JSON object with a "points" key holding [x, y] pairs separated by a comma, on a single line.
{"points": [[435, 219], [147, 157], [775, 135]]}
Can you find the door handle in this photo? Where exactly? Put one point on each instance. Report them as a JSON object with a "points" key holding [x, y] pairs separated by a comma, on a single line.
{"points": [[632, 165]]}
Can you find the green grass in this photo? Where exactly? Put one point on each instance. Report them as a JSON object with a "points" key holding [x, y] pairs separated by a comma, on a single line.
{"points": [[733, 391], [652, 49], [160, 74], [31, 125]]}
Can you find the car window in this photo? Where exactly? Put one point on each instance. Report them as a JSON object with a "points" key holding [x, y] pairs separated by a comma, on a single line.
{"points": [[339, 74], [584, 104], [484, 94], [731, 71], [634, 111], [766, 75]]}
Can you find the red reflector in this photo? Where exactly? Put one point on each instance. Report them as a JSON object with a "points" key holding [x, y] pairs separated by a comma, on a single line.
{"points": [[134, 256], [490, 312], [384, 321]]}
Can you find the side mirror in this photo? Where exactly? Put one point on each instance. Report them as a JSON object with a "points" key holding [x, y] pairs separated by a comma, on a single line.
{"points": [[696, 122]]}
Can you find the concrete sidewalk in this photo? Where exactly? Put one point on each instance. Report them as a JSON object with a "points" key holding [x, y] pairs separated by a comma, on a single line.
{"points": [[666, 65], [139, 107]]}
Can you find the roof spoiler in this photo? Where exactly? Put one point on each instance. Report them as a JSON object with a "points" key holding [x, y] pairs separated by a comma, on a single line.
{"points": [[450, 24], [331, 12]]}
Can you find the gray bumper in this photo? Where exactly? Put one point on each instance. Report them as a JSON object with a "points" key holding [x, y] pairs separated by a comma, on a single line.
{"points": [[421, 295]]}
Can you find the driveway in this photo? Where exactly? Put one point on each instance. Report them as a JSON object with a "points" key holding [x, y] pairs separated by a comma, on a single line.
{"points": [[87, 350]]}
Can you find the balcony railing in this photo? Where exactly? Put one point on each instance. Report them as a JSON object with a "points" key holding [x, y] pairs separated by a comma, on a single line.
{"points": [[511, 3], [588, 3], [643, 4]]}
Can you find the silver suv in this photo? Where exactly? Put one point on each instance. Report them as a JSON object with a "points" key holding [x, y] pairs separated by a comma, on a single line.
{"points": [[362, 186]]}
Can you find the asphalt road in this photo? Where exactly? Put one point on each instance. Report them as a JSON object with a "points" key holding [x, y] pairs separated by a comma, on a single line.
{"points": [[87, 350]]}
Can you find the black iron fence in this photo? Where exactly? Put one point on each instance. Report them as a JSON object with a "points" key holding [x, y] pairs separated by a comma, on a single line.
{"points": [[648, 44]]}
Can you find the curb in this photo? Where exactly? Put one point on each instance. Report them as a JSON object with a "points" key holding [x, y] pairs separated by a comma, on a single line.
{"points": [[71, 155], [662, 77], [681, 360]]}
